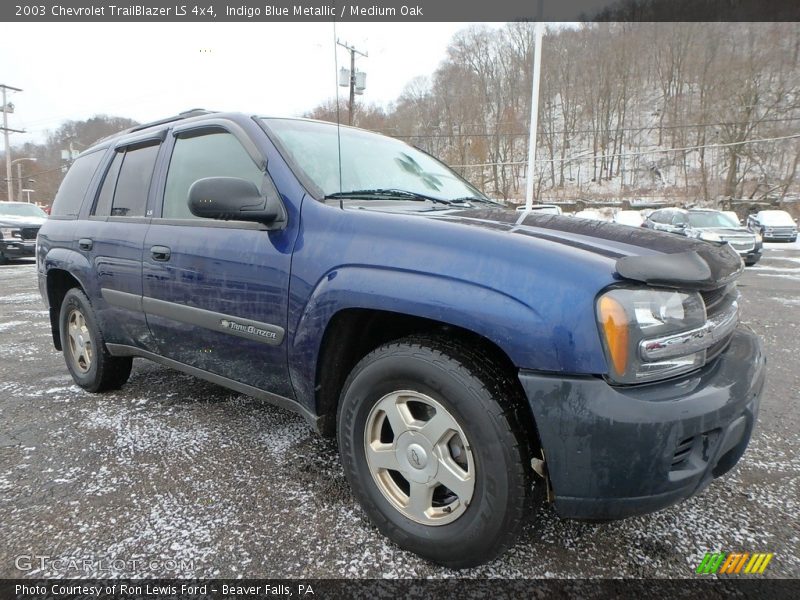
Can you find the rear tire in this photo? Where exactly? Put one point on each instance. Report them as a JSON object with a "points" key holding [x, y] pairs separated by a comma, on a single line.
{"points": [[446, 427], [85, 352]]}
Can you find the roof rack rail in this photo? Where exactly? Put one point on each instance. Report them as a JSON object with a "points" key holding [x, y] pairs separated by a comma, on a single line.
{"points": [[194, 112]]}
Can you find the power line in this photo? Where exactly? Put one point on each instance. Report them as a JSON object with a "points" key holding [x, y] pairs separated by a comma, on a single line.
{"points": [[577, 131], [627, 154]]}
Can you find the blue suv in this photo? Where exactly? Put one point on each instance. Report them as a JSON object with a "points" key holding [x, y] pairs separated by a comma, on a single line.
{"points": [[456, 349]]}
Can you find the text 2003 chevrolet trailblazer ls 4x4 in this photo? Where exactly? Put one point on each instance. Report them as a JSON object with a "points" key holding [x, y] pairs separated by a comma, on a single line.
{"points": [[454, 348]]}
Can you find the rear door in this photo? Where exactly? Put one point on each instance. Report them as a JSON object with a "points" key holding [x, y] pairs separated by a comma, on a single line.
{"points": [[112, 238], [216, 292]]}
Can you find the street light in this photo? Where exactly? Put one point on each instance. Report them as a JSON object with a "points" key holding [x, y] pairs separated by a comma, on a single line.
{"points": [[19, 174]]}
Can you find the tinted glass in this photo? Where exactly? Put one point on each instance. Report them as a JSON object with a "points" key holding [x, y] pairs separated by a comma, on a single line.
{"points": [[133, 183], [103, 205], [711, 219], [70, 194], [368, 161], [217, 154], [679, 219], [13, 209], [776, 218]]}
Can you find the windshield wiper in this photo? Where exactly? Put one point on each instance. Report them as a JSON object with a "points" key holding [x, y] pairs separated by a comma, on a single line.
{"points": [[388, 193], [474, 199]]}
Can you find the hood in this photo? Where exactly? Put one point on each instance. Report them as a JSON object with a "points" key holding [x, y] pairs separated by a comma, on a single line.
{"points": [[725, 230], [14, 221], [641, 254]]}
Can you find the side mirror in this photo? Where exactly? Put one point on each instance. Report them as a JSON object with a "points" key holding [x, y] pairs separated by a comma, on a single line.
{"points": [[231, 199]]}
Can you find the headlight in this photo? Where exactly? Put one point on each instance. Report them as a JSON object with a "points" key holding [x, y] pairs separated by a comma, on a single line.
{"points": [[759, 238], [10, 232], [629, 317], [710, 236]]}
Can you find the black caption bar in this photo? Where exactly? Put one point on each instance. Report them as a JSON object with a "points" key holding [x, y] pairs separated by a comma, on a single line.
{"points": [[325, 589], [401, 10]]}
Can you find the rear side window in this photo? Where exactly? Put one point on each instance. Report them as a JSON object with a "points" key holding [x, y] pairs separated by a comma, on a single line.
{"points": [[70, 194], [133, 182], [106, 195], [214, 154]]}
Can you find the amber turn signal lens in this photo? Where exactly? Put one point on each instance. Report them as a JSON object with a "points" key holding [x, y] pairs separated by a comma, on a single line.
{"points": [[615, 327]]}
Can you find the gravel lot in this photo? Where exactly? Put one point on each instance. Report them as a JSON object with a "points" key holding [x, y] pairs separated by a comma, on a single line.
{"points": [[172, 476]]}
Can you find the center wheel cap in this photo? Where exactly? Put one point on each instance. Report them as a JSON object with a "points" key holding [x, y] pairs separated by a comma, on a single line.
{"points": [[417, 457]]}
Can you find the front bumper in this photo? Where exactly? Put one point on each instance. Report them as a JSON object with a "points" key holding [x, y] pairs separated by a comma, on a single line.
{"points": [[18, 248], [614, 452], [753, 256], [780, 235]]}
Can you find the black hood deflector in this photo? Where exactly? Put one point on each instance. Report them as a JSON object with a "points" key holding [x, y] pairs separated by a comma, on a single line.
{"points": [[687, 270], [667, 260]]}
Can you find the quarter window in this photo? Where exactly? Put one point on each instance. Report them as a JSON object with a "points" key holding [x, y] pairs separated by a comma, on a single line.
{"points": [[215, 154], [70, 194]]}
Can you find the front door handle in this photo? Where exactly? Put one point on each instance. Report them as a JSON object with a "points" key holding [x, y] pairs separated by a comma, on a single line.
{"points": [[85, 244], [161, 253]]}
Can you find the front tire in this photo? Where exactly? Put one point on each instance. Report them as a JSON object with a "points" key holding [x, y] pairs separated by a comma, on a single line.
{"points": [[433, 445], [85, 352]]}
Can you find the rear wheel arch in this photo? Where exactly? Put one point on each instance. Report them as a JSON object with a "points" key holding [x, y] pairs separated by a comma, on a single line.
{"points": [[59, 282]]}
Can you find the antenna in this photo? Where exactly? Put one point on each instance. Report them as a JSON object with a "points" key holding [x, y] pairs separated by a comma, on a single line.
{"points": [[338, 120]]}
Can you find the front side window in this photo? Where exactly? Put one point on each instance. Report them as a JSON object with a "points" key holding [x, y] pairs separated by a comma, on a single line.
{"points": [[678, 219], [213, 154], [133, 183]]}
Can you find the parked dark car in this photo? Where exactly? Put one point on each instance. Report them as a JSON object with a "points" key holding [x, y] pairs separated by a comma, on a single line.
{"points": [[455, 348], [710, 226], [773, 225], [19, 225]]}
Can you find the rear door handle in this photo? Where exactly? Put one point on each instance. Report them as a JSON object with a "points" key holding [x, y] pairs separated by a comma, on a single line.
{"points": [[85, 244], [161, 253]]}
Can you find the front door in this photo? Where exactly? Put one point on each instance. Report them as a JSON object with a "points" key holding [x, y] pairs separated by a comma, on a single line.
{"points": [[215, 293]]}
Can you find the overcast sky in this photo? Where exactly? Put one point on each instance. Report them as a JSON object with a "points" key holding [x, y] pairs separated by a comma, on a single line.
{"points": [[148, 71]]}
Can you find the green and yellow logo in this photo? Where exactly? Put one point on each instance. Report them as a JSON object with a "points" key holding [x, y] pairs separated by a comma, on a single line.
{"points": [[734, 563]]}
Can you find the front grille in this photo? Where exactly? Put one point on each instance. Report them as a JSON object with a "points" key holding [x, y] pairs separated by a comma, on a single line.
{"points": [[718, 301], [743, 245], [29, 233], [715, 300], [780, 231]]}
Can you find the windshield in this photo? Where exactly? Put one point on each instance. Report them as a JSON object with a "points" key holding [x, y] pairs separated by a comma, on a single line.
{"points": [[21, 210], [711, 219], [369, 161], [775, 217]]}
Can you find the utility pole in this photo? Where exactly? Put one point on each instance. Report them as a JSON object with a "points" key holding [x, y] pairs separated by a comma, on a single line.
{"points": [[537, 69], [352, 50], [7, 109]]}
